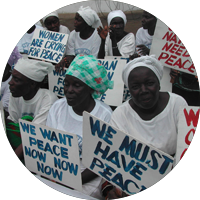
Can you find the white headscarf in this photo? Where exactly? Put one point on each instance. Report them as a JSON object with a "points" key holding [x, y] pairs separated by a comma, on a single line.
{"points": [[53, 14], [144, 61], [89, 16], [116, 13], [34, 69]]}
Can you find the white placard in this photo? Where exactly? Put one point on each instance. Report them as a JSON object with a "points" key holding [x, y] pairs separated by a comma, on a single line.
{"points": [[48, 45], [170, 51], [188, 119], [112, 97], [114, 68], [121, 159], [51, 153], [56, 82]]}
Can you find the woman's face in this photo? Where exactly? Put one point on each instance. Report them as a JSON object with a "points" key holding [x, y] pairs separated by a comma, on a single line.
{"points": [[76, 92], [144, 87], [52, 23], [79, 23], [118, 22]]}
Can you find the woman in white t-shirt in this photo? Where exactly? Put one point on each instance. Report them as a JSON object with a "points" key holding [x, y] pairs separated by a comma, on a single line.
{"points": [[82, 85], [118, 42], [84, 39], [150, 116]]}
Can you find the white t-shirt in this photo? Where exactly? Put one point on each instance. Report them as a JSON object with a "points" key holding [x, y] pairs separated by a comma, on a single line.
{"points": [[62, 29], [38, 107], [76, 45], [126, 45], [5, 93], [143, 37], [25, 42], [160, 132], [62, 117]]}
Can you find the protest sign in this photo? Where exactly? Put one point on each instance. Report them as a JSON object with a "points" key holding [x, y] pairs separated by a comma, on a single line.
{"points": [[47, 45], [51, 153], [170, 51], [121, 159], [56, 82], [188, 119], [114, 68], [111, 97]]}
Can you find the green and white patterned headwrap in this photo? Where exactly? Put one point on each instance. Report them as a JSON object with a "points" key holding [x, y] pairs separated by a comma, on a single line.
{"points": [[87, 69]]}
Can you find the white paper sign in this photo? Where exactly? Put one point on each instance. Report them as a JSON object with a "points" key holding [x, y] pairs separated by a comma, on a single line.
{"points": [[169, 49], [121, 159], [51, 153], [114, 68], [56, 82], [188, 119], [111, 97], [48, 45]]}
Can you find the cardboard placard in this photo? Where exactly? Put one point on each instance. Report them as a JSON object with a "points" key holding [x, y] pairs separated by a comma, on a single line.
{"points": [[121, 159], [188, 119], [170, 51], [51, 153], [48, 45]]}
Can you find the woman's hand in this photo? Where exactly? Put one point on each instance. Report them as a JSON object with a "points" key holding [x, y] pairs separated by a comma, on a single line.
{"points": [[142, 50], [116, 193], [103, 32]]}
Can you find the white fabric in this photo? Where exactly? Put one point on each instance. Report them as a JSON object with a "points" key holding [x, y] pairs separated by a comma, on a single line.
{"points": [[76, 45], [143, 37], [62, 117], [144, 61], [126, 45], [160, 132], [5, 93], [53, 14], [62, 29], [38, 107], [25, 42], [116, 13], [34, 69], [90, 16]]}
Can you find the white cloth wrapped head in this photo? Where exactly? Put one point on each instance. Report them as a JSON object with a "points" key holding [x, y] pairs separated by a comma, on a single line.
{"points": [[89, 16], [53, 14], [34, 69], [144, 61], [116, 13]]}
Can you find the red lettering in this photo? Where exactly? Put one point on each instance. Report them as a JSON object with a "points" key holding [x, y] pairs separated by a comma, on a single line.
{"points": [[187, 141], [179, 51], [191, 117], [169, 61], [186, 54], [167, 47], [167, 36], [191, 68], [163, 56], [174, 48], [174, 38], [183, 153], [179, 63]]}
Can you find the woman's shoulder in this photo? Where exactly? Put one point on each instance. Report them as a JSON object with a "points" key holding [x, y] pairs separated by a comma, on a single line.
{"points": [[103, 106]]}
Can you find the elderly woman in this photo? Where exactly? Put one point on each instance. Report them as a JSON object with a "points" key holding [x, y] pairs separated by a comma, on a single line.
{"points": [[52, 23], [118, 42], [150, 115], [85, 81]]}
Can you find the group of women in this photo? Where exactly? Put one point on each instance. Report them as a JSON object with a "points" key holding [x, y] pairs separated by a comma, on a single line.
{"points": [[150, 115]]}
